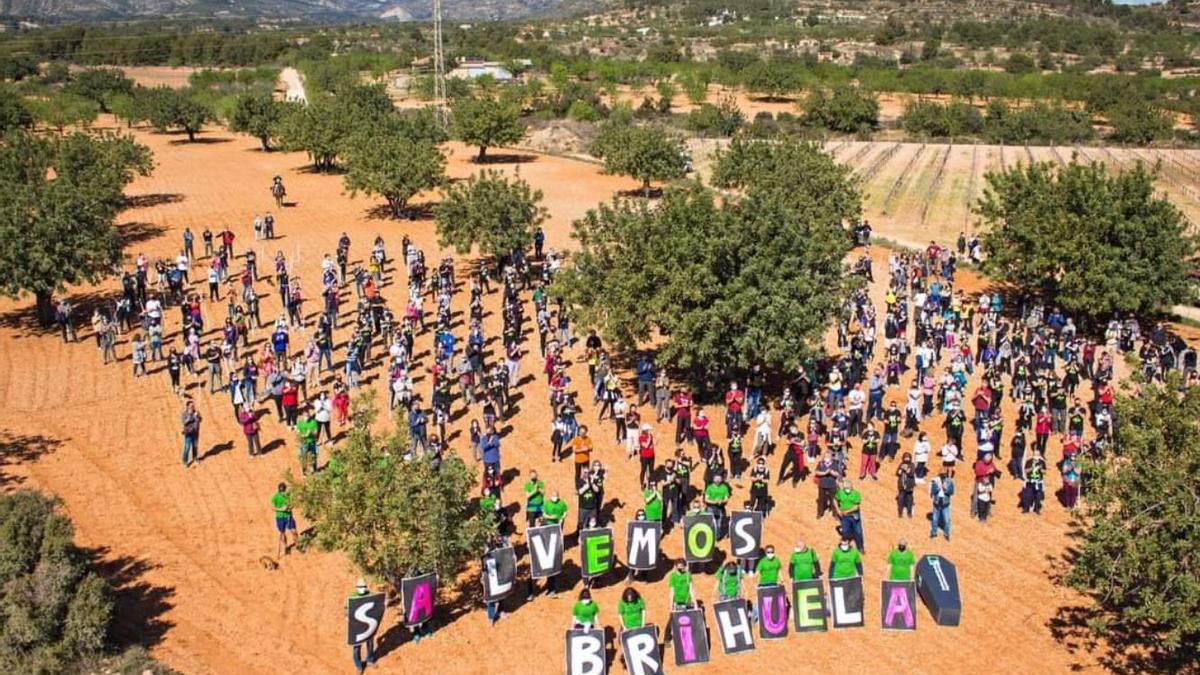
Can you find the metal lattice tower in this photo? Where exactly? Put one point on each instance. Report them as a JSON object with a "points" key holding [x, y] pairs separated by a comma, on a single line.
{"points": [[439, 62]]}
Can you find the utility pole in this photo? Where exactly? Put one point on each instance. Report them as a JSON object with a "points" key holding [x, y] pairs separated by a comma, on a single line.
{"points": [[439, 64]]}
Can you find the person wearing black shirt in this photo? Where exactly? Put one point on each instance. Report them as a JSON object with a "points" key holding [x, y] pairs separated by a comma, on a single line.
{"points": [[760, 477], [1034, 490], [954, 424], [173, 368], [828, 473], [891, 431], [589, 498]]}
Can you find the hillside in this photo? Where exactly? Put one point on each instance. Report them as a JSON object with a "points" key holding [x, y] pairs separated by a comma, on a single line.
{"points": [[74, 10]]}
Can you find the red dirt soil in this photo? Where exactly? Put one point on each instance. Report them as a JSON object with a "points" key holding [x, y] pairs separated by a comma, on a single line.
{"points": [[191, 540]]}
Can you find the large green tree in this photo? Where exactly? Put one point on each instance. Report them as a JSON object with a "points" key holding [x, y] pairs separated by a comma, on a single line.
{"points": [[394, 165], [844, 109], [490, 211], [1138, 557], [97, 84], [61, 195], [168, 108], [63, 110], [258, 114], [14, 112], [56, 612], [751, 279], [646, 153], [392, 515], [1093, 242], [485, 122], [324, 127]]}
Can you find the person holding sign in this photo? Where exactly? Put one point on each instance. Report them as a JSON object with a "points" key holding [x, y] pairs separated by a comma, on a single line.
{"points": [[632, 609], [535, 496], [360, 590], [848, 502], [680, 583], [804, 563], [584, 612], [846, 561], [900, 562], [716, 496], [767, 568]]}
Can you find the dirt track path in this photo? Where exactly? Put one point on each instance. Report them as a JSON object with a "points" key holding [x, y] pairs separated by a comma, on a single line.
{"points": [[189, 541]]}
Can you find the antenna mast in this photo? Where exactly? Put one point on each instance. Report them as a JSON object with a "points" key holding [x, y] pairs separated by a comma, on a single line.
{"points": [[439, 63]]}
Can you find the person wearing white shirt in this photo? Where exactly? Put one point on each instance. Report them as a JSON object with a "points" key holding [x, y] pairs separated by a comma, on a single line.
{"points": [[949, 457], [921, 457]]}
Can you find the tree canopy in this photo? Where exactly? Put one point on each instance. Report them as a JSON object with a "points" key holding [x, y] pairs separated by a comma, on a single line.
{"points": [[844, 109], [325, 125], [393, 515], [168, 108], [1096, 243], [489, 211], [646, 153], [1137, 556], [56, 611], [394, 162], [485, 122], [257, 114], [14, 112], [61, 196], [752, 279]]}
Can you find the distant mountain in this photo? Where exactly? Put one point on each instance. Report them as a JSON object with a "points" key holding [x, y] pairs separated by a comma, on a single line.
{"points": [[68, 10]]}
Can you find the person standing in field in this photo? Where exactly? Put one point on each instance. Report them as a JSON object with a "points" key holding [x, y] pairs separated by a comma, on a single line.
{"points": [[190, 421], [250, 428], [804, 564], [360, 590], [846, 560], [281, 502], [900, 562]]}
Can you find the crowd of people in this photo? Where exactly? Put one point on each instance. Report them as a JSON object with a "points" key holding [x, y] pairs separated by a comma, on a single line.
{"points": [[947, 392]]}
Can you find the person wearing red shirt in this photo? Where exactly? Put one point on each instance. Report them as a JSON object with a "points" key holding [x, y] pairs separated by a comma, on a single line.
{"points": [[734, 399], [699, 431], [1041, 427], [290, 398], [341, 404], [646, 455], [682, 405]]}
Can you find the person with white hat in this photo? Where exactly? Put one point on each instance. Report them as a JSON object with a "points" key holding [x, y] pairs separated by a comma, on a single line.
{"points": [[360, 589], [646, 453]]}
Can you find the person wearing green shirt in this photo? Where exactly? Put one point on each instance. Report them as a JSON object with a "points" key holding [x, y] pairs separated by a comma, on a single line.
{"points": [[848, 502], [680, 583], [535, 496], [281, 502], [554, 509], [900, 562], [803, 563], [716, 495], [306, 429], [768, 568], [729, 581], [584, 612], [632, 609], [653, 503], [846, 561]]}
